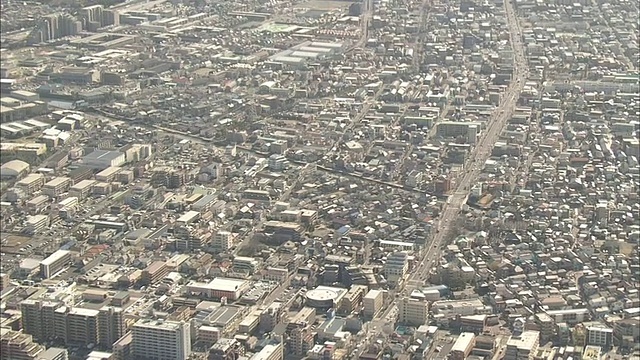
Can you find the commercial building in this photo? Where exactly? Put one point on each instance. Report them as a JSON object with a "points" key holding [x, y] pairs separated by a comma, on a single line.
{"points": [[155, 272], [14, 169], [396, 267], [325, 297], [372, 303], [218, 288], [270, 352], [523, 347], [413, 311], [102, 159], [600, 336], [161, 339], [54, 263], [463, 346]]}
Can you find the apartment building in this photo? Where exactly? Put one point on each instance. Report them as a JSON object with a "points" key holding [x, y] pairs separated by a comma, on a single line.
{"points": [[15, 345], [161, 339], [111, 325]]}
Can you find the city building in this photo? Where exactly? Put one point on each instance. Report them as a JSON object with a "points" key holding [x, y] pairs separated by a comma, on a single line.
{"points": [[396, 267], [161, 339], [270, 352], [372, 303], [463, 346], [55, 263], [523, 346], [413, 311]]}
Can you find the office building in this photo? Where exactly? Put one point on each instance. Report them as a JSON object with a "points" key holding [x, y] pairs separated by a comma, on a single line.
{"points": [[463, 346], [600, 336], [55, 263], [522, 347], [413, 311], [161, 339], [372, 303], [270, 352]]}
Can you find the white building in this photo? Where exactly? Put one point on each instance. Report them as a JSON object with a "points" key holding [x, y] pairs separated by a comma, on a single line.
{"points": [[36, 223], [222, 241], [161, 339], [523, 347], [270, 352], [277, 162], [54, 263], [102, 159], [396, 267], [372, 303], [413, 311]]}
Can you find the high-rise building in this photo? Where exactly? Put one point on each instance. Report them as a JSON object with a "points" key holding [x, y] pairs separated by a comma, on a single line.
{"points": [[48, 320], [523, 347], [38, 318], [161, 339], [96, 16], [82, 325], [413, 311], [111, 326], [55, 26]]}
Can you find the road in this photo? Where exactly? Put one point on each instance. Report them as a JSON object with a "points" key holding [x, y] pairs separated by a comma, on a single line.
{"points": [[479, 155], [482, 150]]}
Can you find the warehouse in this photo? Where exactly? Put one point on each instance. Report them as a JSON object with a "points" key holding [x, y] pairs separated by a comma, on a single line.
{"points": [[14, 169]]}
